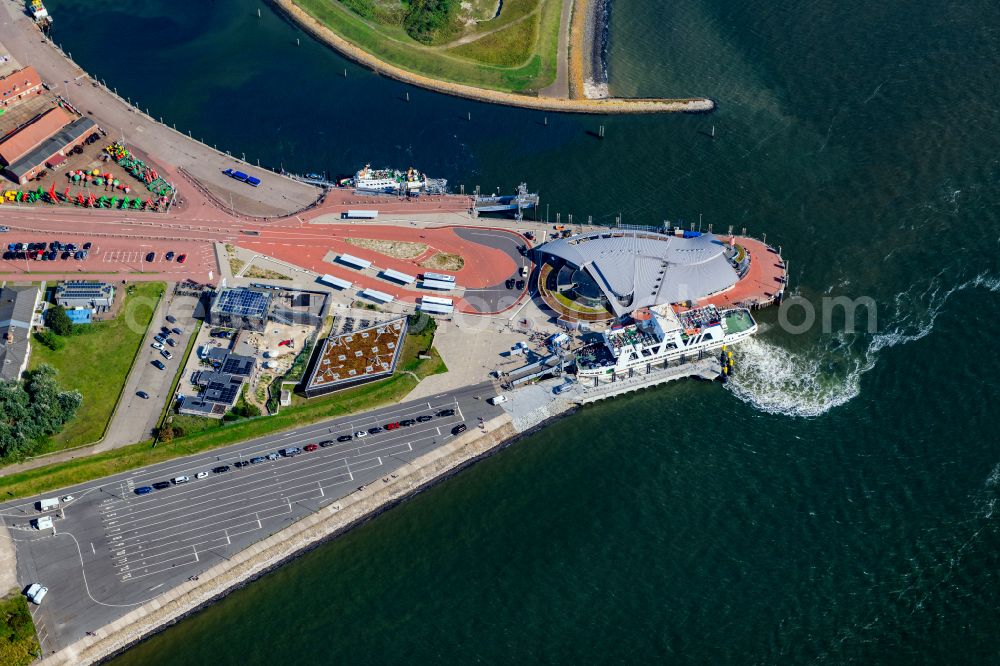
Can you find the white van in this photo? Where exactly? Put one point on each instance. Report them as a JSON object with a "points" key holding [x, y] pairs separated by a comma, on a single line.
{"points": [[37, 592], [497, 399], [181, 479]]}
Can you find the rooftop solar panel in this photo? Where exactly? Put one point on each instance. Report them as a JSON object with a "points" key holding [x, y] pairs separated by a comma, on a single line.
{"points": [[243, 303]]}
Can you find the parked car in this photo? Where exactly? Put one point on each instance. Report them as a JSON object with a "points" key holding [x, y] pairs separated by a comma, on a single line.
{"points": [[181, 479], [291, 451], [178, 331], [150, 256], [4, 230], [143, 490], [424, 418], [241, 463], [446, 412], [361, 433], [220, 469], [65, 255], [311, 447], [161, 485], [374, 431], [156, 345], [273, 456], [344, 438], [391, 426], [406, 423], [172, 319], [87, 246], [171, 342], [201, 475], [461, 427], [181, 258], [142, 394], [67, 498], [159, 364], [36, 593], [166, 354], [257, 459], [169, 255], [326, 442], [159, 337], [519, 285]]}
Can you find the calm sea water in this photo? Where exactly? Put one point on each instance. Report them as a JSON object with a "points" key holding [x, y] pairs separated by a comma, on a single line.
{"points": [[836, 503]]}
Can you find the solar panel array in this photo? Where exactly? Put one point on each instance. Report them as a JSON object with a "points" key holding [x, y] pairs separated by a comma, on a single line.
{"points": [[224, 392], [243, 303], [86, 290], [237, 366]]}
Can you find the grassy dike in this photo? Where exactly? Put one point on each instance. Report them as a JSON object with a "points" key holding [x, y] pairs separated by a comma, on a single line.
{"points": [[392, 45]]}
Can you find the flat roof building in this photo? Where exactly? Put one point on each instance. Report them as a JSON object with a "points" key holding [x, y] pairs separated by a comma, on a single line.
{"points": [[377, 295], [337, 282], [240, 307], [358, 357], [428, 283], [85, 294], [354, 262], [391, 274], [17, 310]]}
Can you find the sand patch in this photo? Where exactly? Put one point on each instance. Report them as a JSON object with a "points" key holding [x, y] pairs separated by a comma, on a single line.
{"points": [[444, 261], [394, 249]]}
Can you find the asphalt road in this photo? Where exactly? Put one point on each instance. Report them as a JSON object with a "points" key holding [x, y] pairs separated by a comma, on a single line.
{"points": [[497, 297], [113, 549]]}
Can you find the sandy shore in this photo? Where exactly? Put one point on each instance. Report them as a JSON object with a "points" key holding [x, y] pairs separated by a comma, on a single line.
{"points": [[308, 533], [608, 105]]}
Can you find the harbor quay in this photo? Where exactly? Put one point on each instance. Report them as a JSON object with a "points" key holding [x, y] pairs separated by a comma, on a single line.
{"points": [[531, 321]]}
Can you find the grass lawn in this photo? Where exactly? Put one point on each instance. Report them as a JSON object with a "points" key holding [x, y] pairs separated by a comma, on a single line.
{"points": [[18, 643], [509, 47], [96, 363], [490, 65]]}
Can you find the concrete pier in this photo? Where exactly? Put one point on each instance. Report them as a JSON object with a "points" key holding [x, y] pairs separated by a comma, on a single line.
{"points": [[706, 368]]}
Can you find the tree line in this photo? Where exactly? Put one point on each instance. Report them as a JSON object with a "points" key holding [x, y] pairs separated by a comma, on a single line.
{"points": [[33, 409]]}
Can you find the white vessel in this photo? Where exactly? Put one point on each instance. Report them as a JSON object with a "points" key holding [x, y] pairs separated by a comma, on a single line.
{"points": [[392, 181], [659, 336]]}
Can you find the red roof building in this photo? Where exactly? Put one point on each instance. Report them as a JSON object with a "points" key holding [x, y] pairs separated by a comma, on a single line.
{"points": [[17, 86], [43, 126]]}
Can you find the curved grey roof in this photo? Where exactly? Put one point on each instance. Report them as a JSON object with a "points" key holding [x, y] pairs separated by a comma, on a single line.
{"points": [[640, 268]]}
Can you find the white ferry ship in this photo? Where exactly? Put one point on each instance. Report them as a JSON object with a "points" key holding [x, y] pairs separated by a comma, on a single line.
{"points": [[391, 181], [659, 336]]}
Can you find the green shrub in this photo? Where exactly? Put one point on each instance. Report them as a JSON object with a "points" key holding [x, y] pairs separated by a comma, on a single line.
{"points": [[50, 339], [429, 20], [58, 321]]}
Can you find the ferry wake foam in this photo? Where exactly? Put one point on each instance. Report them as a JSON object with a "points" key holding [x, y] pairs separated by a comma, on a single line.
{"points": [[778, 381]]}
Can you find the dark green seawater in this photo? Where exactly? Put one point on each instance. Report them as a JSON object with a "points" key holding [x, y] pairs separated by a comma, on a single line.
{"points": [[836, 503]]}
